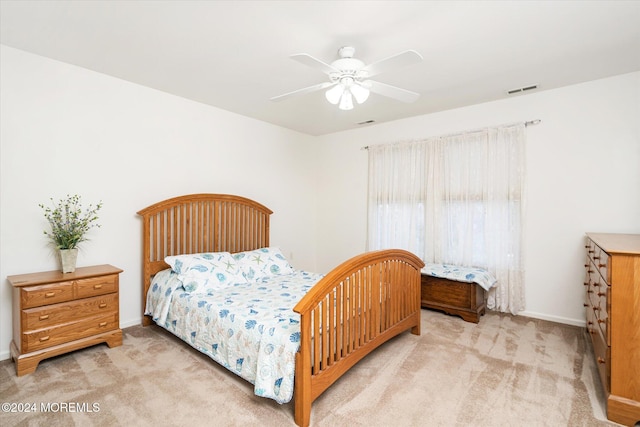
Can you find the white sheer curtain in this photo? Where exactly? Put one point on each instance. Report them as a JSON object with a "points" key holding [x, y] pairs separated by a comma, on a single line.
{"points": [[455, 199]]}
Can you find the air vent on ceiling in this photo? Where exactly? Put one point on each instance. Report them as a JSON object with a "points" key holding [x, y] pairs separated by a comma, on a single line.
{"points": [[366, 122], [522, 89]]}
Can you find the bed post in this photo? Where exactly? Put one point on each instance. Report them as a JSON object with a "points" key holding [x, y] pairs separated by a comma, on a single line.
{"points": [[302, 380], [146, 270]]}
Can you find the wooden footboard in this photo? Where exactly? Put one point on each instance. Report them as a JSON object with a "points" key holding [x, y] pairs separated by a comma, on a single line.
{"points": [[355, 308]]}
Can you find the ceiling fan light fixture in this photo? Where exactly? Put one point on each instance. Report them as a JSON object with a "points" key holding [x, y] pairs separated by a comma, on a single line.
{"points": [[360, 93], [346, 102], [334, 94]]}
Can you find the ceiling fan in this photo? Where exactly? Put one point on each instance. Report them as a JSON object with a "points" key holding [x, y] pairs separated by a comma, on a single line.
{"points": [[349, 78]]}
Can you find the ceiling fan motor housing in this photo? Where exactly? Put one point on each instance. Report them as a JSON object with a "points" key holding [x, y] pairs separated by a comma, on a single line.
{"points": [[347, 65], [346, 51]]}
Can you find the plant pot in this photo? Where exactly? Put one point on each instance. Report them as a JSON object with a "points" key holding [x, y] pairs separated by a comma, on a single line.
{"points": [[68, 258]]}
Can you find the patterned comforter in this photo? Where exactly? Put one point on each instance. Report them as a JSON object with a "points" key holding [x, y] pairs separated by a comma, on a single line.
{"points": [[461, 274], [249, 328]]}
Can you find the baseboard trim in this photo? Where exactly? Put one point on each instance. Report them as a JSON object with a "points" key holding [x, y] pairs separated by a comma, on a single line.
{"points": [[558, 319], [129, 323]]}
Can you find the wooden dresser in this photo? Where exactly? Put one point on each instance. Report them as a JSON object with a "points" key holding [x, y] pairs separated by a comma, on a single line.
{"points": [[54, 313], [613, 319]]}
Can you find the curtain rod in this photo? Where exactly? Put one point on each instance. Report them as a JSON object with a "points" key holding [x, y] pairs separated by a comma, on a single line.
{"points": [[526, 124]]}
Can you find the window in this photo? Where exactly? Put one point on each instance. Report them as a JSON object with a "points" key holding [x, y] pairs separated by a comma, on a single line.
{"points": [[454, 199]]}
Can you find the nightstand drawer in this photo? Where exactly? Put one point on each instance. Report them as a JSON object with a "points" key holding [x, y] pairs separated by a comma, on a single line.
{"points": [[56, 314], [36, 296], [96, 286], [44, 338]]}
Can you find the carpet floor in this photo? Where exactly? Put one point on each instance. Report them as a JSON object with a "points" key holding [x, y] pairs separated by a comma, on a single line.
{"points": [[504, 371]]}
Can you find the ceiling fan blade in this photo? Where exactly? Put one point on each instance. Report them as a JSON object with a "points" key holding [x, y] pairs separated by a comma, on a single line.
{"points": [[402, 59], [391, 91], [306, 59], [303, 91]]}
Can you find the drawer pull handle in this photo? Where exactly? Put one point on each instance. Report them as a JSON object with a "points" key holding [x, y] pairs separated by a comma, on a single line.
{"points": [[601, 294], [44, 317], [586, 283], [102, 305], [102, 324], [602, 265], [43, 339], [591, 251], [585, 305], [50, 294], [601, 321], [98, 286], [601, 360], [596, 257]]}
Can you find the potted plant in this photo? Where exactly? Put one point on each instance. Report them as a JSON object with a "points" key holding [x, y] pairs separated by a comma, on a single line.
{"points": [[69, 226]]}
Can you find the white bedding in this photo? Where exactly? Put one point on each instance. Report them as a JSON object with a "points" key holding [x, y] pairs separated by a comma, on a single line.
{"points": [[249, 328]]}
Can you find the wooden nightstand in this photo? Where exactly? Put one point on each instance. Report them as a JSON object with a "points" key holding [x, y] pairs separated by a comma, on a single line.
{"points": [[55, 313]]}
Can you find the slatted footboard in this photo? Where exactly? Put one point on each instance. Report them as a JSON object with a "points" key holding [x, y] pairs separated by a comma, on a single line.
{"points": [[355, 308]]}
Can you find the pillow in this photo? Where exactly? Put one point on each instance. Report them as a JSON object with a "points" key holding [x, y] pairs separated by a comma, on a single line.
{"points": [[261, 263], [205, 271]]}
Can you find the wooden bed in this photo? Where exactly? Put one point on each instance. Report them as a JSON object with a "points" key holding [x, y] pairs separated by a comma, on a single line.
{"points": [[363, 302]]}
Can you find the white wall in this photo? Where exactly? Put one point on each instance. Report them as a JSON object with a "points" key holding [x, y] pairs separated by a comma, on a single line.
{"points": [[65, 130], [583, 174]]}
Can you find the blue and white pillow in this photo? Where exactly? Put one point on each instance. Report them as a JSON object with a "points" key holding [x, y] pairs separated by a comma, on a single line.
{"points": [[260, 263], [206, 271]]}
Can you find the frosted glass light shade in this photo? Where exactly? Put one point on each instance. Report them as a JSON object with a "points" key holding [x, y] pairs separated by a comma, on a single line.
{"points": [[346, 102], [333, 95], [359, 93]]}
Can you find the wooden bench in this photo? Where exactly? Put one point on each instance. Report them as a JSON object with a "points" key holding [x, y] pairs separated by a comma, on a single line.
{"points": [[466, 300]]}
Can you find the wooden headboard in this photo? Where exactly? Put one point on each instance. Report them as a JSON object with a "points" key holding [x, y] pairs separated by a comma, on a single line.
{"points": [[198, 223]]}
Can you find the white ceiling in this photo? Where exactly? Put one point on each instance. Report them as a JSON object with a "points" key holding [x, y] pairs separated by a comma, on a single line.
{"points": [[235, 54]]}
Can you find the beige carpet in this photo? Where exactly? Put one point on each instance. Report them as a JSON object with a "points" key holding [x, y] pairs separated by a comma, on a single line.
{"points": [[505, 371]]}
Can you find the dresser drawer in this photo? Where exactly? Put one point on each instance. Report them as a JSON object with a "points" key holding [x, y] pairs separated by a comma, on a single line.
{"points": [[603, 359], [44, 338], [56, 314], [595, 284], [600, 259], [602, 320], [36, 296], [591, 319]]}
